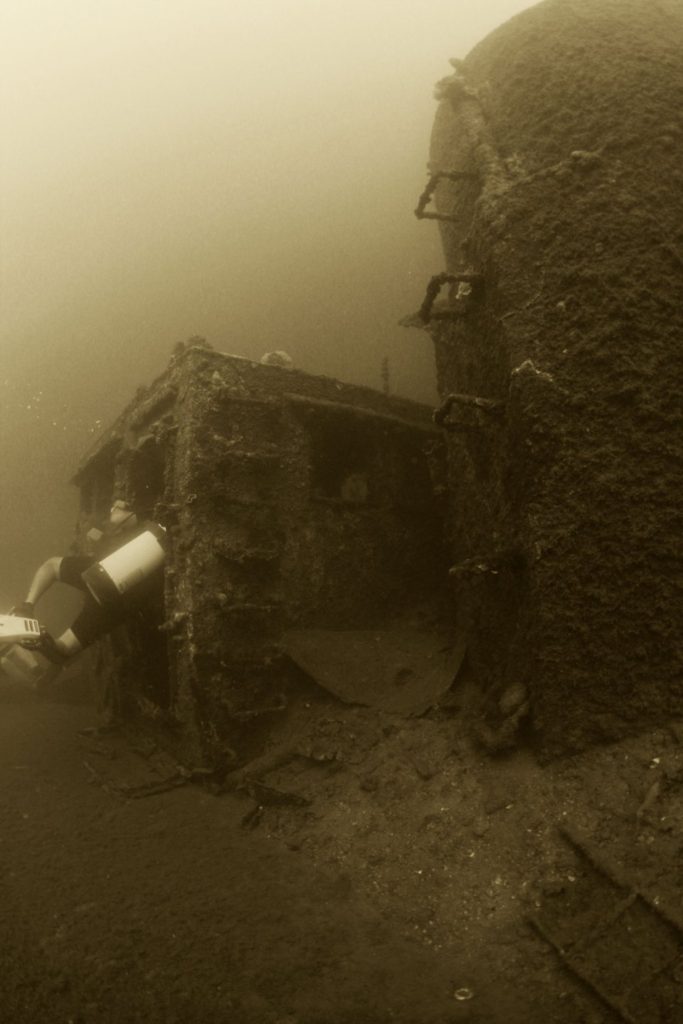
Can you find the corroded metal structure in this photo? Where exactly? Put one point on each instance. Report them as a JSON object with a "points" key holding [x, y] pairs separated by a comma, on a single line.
{"points": [[555, 168], [291, 501]]}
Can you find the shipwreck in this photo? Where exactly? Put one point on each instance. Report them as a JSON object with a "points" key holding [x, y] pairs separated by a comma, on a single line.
{"points": [[554, 182], [532, 520], [305, 526]]}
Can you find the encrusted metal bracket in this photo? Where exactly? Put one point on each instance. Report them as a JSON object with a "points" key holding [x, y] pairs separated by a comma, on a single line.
{"points": [[421, 211], [493, 406], [475, 281]]}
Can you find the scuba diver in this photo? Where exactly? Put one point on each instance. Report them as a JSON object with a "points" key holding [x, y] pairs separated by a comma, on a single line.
{"points": [[126, 559]]}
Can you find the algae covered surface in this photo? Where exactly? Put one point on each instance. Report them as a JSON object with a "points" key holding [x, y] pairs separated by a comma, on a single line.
{"points": [[569, 115]]}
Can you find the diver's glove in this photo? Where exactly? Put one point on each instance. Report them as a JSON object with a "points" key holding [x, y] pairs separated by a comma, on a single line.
{"points": [[25, 610]]}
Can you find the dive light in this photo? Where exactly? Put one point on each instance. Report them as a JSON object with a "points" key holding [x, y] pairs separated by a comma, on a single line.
{"points": [[16, 629]]}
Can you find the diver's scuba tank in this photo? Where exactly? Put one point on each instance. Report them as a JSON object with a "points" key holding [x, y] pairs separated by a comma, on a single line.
{"points": [[111, 578]]}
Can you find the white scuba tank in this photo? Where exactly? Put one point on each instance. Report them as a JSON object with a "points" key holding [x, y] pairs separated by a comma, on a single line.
{"points": [[111, 578]]}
